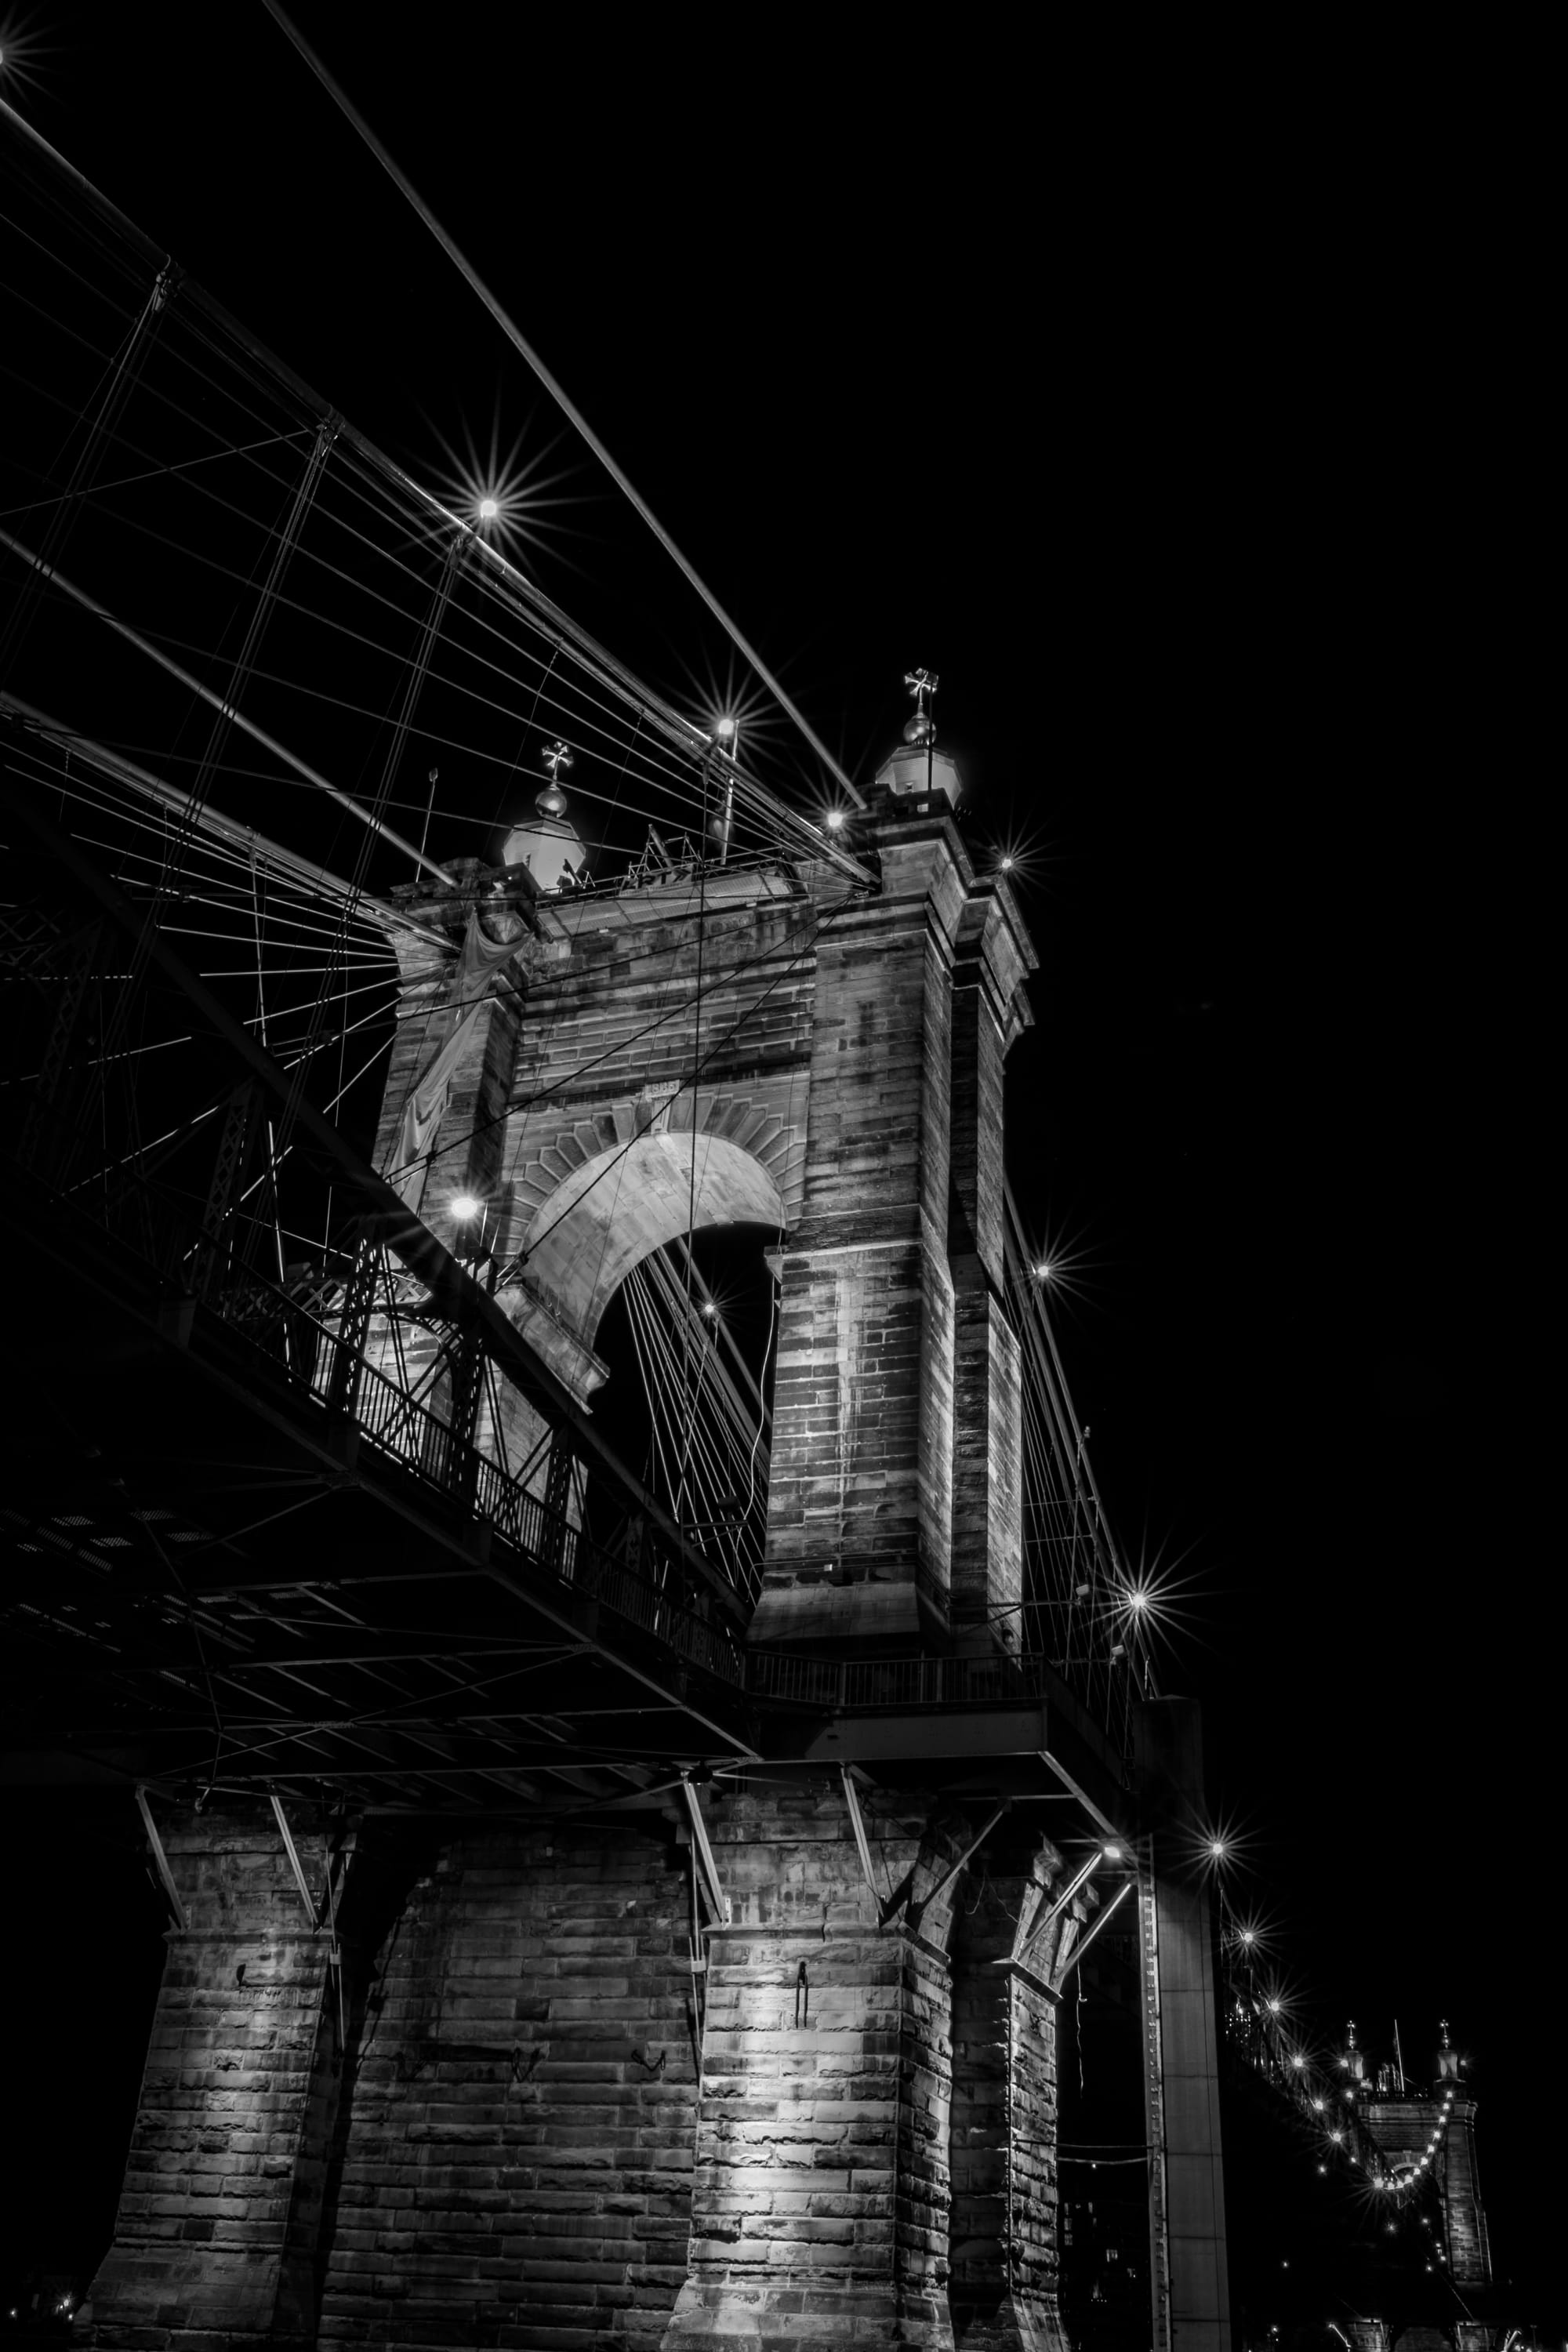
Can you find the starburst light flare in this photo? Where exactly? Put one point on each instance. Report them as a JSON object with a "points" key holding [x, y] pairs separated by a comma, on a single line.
{"points": [[22, 50], [1220, 1846], [1152, 1601], [1019, 859], [731, 708], [508, 495], [1058, 1261], [1250, 1937]]}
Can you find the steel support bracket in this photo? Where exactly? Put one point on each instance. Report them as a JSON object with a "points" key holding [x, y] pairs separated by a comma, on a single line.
{"points": [[1083, 1943], [717, 1898], [1026, 1939], [162, 1859], [852, 1799], [306, 1897], [917, 1911]]}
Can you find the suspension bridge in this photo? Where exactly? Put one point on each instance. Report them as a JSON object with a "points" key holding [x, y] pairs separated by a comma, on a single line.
{"points": [[548, 1472]]}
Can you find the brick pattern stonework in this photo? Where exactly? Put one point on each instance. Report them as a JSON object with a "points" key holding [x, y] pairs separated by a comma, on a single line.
{"points": [[551, 2130], [1004, 2287], [851, 1054], [517, 2163], [820, 2205], [219, 2220]]}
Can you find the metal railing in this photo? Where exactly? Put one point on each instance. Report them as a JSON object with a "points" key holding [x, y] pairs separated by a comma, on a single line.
{"points": [[396, 1425], [291, 1328], [857, 1683]]}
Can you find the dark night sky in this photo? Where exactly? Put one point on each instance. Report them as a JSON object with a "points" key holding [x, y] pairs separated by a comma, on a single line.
{"points": [[1162, 440]]}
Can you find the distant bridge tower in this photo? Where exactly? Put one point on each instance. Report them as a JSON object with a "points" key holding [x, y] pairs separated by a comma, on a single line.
{"points": [[1432, 2133], [1435, 2130]]}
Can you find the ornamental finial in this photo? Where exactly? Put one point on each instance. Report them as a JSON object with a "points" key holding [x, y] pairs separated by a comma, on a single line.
{"points": [[552, 800], [922, 684]]}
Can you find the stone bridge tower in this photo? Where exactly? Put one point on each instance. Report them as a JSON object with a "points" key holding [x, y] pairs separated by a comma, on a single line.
{"points": [[720, 2055], [764, 1045]]}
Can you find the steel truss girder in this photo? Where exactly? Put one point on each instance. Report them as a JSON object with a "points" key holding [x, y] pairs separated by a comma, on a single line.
{"points": [[456, 1547], [452, 1289]]}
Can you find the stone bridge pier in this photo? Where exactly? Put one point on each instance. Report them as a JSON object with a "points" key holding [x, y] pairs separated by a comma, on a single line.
{"points": [[878, 2093]]}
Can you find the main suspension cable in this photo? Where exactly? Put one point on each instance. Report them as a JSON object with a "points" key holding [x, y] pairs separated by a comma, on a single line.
{"points": [[525, 350]]}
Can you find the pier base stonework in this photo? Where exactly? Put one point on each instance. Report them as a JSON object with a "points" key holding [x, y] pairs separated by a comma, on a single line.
{"points": [[820, 2197], [219, 2224], [547, 2126], [516, 2169], [1003, 2292]]}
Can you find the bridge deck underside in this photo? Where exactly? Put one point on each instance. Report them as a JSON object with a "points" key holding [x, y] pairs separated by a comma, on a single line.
{"points": [[212, 1583]]}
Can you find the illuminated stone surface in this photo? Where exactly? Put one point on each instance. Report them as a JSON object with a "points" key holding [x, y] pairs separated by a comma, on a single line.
{"points": [[520, 2145], [550, 2127], [220, 2214]]}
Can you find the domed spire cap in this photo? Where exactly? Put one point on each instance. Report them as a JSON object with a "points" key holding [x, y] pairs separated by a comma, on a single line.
{"points": [[552, 800], [550, 849], [917, 770], [920, 726]]}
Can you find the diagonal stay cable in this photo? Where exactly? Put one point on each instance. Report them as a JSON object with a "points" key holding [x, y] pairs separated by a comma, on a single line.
{"points": [[526, 351]]}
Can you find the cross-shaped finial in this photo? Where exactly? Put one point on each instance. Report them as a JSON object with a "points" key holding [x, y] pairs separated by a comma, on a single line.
{"points": [[922, 685], [557, 757], [1350, 2030], [1443, 2028]]}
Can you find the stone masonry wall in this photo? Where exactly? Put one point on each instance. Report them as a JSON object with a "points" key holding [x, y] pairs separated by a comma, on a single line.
{"points": [[820, 2202], [987, 1522], [516, 2158], [1004, 2287], [860, 1486], [513, 2151], [219, 2218]]}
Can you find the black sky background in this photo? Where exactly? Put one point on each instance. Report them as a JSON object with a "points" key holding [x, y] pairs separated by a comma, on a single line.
{"points": [[1150, 401]]}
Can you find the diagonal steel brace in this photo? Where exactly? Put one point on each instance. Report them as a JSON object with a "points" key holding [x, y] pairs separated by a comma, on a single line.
{"points": [[305, 1896], [162, 1859], [716, 1895]]}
